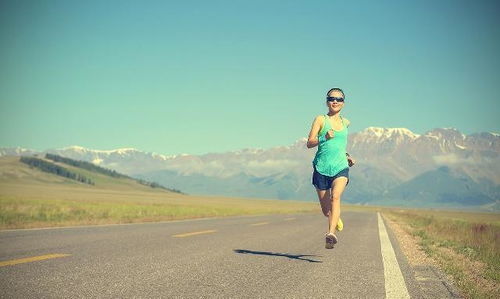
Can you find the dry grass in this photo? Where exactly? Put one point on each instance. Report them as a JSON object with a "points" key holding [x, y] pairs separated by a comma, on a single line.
{"points": [[24, 206], [31, 198], [465, 245]]}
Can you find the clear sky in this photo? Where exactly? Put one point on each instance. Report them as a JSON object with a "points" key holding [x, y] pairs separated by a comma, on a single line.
{"points": [[211, 76]]}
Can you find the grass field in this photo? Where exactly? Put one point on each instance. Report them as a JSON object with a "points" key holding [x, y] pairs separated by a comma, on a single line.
{"points": [[465, 245], [37, 206], [31, 198]]}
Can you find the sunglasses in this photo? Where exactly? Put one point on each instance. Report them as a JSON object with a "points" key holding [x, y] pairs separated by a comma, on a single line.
{"points": [[331, 99]]}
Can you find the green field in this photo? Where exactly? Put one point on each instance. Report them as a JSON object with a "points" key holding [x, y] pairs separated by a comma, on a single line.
{"points": [[31, 198]]}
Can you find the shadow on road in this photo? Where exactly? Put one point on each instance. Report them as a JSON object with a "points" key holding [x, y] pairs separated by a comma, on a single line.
{"points": [[291, 256]]}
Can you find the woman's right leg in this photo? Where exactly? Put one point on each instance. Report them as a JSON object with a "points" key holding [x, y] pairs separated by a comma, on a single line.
{"points": [[325, 200]]}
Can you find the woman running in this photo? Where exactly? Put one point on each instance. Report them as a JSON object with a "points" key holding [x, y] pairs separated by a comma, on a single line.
{"points": [[331, 163]]}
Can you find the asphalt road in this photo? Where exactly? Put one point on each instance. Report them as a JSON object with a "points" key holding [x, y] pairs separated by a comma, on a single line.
{"points": [[273, 256]]}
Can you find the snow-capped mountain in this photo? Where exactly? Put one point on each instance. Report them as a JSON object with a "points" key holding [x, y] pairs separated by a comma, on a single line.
{"points": [[406, 155], [124, 160], [16, 151], [386, 158]]}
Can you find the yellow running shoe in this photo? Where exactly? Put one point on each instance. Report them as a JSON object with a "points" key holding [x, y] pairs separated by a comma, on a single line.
{"points": [[340, 225]]}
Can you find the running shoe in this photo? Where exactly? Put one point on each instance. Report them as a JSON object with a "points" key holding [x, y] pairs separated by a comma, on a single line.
{"points": [[330, 240], [340, 225]]}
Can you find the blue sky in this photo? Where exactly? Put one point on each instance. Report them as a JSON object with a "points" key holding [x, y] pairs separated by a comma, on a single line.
{"points": [[211, 76]]}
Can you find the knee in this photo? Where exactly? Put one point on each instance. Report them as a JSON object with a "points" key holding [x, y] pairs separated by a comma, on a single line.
{"points": [[335, 198]]}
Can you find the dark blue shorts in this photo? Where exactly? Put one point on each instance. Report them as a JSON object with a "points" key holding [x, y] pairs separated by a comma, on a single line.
{"points": [[323, 182]]}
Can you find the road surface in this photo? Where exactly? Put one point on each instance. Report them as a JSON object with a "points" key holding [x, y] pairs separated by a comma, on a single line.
{"points": [[270, 256]]}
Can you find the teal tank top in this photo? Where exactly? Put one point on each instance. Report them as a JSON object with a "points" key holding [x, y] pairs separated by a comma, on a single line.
{"points": [[331, 157]]}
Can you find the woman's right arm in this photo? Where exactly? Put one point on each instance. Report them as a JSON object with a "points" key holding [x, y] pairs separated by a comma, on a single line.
{"points": [[312, 141]]}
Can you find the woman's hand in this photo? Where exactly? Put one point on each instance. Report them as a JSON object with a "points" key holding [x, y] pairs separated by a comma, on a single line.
{"points": [[329, 135], [350, 161]]}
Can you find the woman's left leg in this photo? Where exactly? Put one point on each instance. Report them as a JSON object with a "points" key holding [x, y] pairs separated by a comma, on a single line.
{"points": [[338, 187], [325, 202]]}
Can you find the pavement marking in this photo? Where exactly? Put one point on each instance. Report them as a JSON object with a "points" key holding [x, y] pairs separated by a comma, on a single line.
{"points": [[395, 286], [194, 233], [259, 223], [32, 259], [288, 219]]}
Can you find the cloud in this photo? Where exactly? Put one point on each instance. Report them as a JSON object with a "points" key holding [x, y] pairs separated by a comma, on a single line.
{"points": [[225, 168], [452, 159], [446, 159], [259, 168]]}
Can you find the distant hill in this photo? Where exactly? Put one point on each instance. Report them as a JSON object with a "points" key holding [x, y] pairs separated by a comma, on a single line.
{"points": [[52, 168], [64, 171], [109, 172], [442, 187], [394, 166], [84, 165]]}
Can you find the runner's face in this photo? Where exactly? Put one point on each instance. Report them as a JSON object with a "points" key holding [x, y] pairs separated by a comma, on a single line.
{"points": [[335, 106]]}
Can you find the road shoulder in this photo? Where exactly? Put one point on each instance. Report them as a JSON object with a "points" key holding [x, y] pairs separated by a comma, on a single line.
{"points": [[423, 277]]}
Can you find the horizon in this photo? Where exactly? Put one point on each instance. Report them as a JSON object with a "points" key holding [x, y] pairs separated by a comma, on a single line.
{"points": [[78, 146], [215, 77]]}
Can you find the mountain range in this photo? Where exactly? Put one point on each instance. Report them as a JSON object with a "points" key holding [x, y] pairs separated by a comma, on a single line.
{"points": [[442, 168]]}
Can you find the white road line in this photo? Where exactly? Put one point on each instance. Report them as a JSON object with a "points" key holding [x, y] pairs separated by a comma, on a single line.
{"points": [[395, 286]]}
